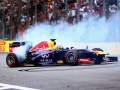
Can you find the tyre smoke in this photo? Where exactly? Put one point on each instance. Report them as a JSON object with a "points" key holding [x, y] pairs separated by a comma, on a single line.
{"points": [[89, 31], [86, 31]]}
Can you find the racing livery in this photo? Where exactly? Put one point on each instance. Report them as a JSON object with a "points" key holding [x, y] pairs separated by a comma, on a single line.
{"points": [[49, 53]]}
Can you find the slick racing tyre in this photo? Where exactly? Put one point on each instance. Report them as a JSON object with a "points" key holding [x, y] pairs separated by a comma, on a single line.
{"points": [[71, 58], [12, 60]]}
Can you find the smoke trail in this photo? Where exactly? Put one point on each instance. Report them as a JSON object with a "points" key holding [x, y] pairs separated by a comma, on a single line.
{"points": [[86, 31]]}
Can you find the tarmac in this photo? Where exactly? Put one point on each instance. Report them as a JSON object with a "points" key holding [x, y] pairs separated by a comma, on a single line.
{"points": [[60, 77]]}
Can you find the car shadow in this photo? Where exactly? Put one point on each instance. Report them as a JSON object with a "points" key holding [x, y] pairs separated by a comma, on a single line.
{"points": [[49, 66]]}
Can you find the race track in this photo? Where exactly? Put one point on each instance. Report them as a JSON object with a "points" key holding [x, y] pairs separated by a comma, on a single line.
{"points": [[60, 77]]}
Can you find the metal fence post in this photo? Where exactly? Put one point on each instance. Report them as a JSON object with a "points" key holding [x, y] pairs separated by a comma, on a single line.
{"points": [[31, 13], [35, 4], [107, 9], [54, 12], [44, 11], [27, 13], [118, 4], [11, 22], [3, 20], [78, 13], [104, 9], [66, 9], [91, 4], [19, 15], [118, 10]]}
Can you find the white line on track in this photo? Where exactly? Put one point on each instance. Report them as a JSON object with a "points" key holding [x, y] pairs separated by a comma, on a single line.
{"points": [[14, 87]]}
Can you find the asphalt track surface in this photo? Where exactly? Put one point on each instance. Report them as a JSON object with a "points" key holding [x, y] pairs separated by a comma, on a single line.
{"points": [[60, 77]]}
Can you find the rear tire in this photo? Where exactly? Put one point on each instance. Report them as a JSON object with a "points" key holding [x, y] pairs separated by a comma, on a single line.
{"points": [[71, 58], [12, 60]]}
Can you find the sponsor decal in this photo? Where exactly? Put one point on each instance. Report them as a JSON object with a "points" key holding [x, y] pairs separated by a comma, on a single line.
{"points": [[86, 60], [60, 61], [2, 43], [46, 60], [2, 46], [45, 55]]}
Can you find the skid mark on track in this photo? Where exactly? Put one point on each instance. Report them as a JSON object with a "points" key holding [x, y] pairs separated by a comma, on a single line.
{"points": [[14, 87], [66, 68]]}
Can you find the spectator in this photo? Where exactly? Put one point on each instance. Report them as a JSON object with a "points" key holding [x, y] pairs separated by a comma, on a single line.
{"points": [[46, 12]]}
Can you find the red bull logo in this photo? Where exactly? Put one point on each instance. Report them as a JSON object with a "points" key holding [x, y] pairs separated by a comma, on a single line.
{"points": [[42, 46]]}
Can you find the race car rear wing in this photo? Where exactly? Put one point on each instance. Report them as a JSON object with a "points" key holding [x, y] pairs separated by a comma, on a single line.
{"points": [[18, 44]]}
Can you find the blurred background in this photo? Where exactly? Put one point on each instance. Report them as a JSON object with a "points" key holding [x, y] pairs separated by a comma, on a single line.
{"points": [[18, 15]]}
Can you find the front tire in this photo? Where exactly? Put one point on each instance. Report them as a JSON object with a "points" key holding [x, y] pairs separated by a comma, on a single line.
{"points": [[71, 58]]}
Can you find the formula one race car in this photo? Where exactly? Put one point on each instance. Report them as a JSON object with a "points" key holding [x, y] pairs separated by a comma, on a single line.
{"points": [[49, 53]]}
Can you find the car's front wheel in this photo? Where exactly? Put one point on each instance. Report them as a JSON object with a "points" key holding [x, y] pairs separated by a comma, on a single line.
{"points": [[71, 58]]}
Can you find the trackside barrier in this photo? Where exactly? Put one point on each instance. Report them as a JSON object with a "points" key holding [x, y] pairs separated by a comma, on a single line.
{"points": [[4, 45]]}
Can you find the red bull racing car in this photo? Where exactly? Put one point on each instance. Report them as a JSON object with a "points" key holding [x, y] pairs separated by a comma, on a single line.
{"points": [[49, 53]]}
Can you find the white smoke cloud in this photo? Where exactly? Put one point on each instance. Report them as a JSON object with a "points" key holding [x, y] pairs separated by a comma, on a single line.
{"points": [[87, 31], [22, 51]]}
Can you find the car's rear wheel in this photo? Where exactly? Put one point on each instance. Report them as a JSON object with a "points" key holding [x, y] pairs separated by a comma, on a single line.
{"points": [[71, 58], [12, 60]]}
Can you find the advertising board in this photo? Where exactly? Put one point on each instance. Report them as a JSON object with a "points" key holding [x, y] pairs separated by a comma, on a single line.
{"points": [[4, 45]]}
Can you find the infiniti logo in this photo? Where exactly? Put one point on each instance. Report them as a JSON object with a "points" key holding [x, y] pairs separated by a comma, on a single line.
{"points": [[45, 55]]}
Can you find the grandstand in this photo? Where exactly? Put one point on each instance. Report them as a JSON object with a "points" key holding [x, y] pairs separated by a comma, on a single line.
{"points": [[17, 15]]}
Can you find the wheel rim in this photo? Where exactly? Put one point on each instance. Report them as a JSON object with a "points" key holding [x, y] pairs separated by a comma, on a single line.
{"points": [[10, 60], [71, 58]]}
